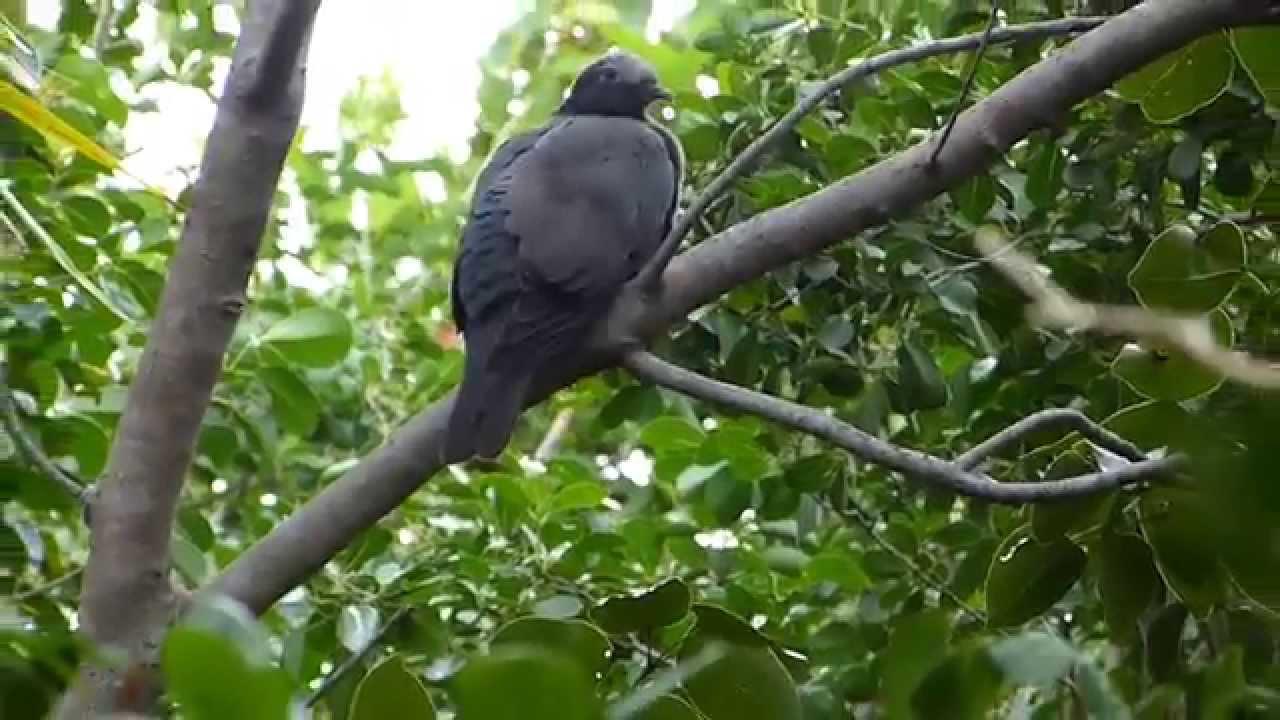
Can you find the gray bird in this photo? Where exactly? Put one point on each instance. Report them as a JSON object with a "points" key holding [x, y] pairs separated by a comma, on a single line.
{"points": [[561, 218]]}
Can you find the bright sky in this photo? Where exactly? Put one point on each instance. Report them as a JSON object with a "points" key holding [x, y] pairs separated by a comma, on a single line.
{"points": [[429, 47]]}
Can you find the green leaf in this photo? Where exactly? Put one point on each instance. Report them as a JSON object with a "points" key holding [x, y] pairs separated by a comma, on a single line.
{"points": [[841, 568], [1044, 175], [921, 382], [671, 434], [785, 559], [715, 621], [747, 459], [1052, 521], [1163, 638], [583, 495], [521, 682], [1127, 581], [1150, 425], [390, 690], [1184, 167], [1179, 272], [965, 686], [726, 497], [293, 402], [746, 681], [1267, 201], [836, 333], [668, 707], [313, 337], [1183, 81], [975, 198], [664, 604], [192, 564], [1234, 175], [1027, 577], [916, 646], [1258, 49], [580, 640], [1172, 521], [812, 474], [88, 215], [1223, 686], [199, 667]]}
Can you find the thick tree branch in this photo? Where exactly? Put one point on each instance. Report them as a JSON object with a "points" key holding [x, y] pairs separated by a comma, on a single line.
{"points": [[912, 463], [746, 161], [327, 523], [282, 57], [127, 600]]}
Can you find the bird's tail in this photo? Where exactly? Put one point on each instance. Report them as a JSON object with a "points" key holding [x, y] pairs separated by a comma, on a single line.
{"points": [[490, 400]]}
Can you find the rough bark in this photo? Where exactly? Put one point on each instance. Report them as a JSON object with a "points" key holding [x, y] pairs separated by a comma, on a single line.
{"points": [[128, 600], [1036, 98]]}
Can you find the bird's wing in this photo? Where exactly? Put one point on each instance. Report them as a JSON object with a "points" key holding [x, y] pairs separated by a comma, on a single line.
{"points": [[483, 271], [590, 202]]}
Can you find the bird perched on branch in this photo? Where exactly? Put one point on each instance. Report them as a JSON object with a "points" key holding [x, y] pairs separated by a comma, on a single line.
{"points": [[562, 217]]}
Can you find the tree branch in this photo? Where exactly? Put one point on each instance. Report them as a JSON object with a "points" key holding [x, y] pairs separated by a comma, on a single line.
{"points": [[1045, 420], [355, 659], [28, 448], [917, 465], [282, 57], [328, 522], [855, 512], [127, 600], [746, 161], [968, 83]]}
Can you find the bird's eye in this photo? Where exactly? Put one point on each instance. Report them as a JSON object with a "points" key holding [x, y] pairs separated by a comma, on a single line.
{"points": [[610, 74]]}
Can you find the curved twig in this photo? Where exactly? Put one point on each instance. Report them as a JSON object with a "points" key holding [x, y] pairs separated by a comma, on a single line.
{"points": [[1066, 418], [912, 463], [27, 447], [745, 162]]}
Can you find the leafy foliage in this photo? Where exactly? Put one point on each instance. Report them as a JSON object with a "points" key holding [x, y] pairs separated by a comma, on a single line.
{"points": [[670, 561]]}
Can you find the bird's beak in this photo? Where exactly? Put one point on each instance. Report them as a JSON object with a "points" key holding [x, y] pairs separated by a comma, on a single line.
{"points": [[659, 92]]}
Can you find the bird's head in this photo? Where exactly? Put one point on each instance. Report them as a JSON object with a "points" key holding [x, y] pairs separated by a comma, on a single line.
{"points": [[618, 84]]}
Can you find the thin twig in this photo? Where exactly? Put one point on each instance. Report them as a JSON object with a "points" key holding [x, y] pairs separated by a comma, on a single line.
{"points": [[46, 587], [355, 659], [28, 448], [968, 83], [1066, 418], [912, 463], [14, 233], [58, 254], [102, 26], [745, 162], [855, 512], [551, 442]]}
